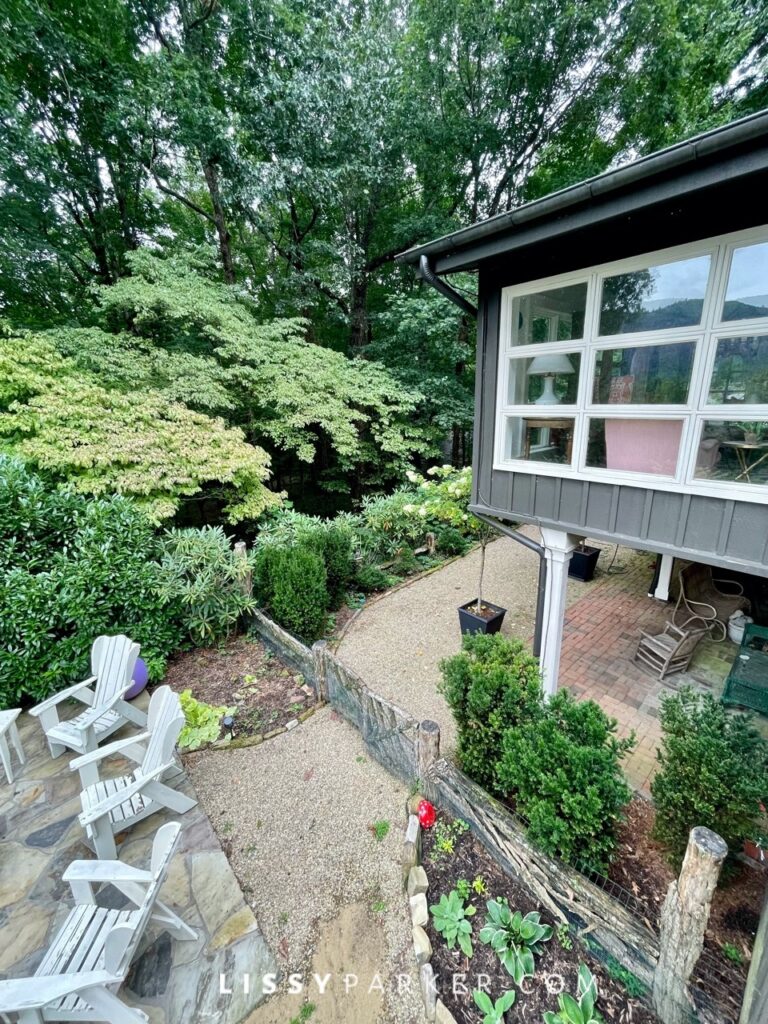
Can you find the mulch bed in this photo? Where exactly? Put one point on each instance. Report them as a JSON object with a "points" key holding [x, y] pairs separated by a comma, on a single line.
{"points": [[557, 967], [641, 868], [244, 674]]}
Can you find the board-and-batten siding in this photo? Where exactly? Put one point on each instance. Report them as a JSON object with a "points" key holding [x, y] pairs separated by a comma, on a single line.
{"points": [[716, 530]]}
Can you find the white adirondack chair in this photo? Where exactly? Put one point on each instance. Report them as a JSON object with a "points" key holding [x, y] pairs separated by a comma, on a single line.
{"points": [[113, 659], [113, 805], [89, 958]]}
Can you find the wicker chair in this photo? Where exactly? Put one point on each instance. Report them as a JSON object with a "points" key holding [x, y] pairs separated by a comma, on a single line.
{"points": [[671, 651], [704, 597]]}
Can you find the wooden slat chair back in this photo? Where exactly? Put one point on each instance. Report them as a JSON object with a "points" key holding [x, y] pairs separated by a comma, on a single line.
{"points": [[91, 954], [113, 804], [113, 660], [671, 650]]}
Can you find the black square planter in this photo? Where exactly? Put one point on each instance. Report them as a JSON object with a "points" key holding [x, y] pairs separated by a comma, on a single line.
{"points": [[583, 562], [471, 622]]}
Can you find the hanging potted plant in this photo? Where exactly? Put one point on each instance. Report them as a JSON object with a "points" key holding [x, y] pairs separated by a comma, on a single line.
{"points": [[479, 615], [583, 562]]}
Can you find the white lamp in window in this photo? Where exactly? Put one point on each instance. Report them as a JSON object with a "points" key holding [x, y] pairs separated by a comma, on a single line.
{"points": [[550, 367]]}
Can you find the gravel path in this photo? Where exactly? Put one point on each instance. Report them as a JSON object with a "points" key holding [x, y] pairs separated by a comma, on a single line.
{"points": [[397, 642], [295, 813]]}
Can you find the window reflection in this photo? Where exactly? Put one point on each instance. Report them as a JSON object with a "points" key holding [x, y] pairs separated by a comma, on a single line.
{"points": [[747, 294], [648, 374], [553, 315], [740, 373], [659, 298]]}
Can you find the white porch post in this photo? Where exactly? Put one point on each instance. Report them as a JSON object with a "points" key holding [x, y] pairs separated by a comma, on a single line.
{"points": [[558, 547], [661, 592]]}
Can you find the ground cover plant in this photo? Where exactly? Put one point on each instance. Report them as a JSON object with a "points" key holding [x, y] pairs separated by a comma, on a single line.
{"points": [[260, 691], [557, 966]]}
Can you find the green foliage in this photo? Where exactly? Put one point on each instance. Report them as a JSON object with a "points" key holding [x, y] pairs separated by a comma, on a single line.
{"points": [[630, 982], [103, 441], [493, 1012], [370, 578], [564, 936], [299, 598], [304, 1014], [515, 939], [203, 721], [713, 764], [71, 569], [580, 1010], [380, 830], [492, 685], [334, 545], [562, 769], [732, 953], [464, 889], [201, 573], [446, 835], [450, 919], [479, 886]]}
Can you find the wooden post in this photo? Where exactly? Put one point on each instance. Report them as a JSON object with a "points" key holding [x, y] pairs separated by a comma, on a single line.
{"points": [[429, 746], [319, 652], [246, 580], [684, 918], [754, 1009]]}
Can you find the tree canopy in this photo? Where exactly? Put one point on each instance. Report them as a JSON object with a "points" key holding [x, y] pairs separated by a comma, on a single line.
{"points": [[221, 186]]}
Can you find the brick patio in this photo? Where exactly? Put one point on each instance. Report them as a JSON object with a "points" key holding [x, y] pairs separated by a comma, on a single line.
{"points": [[601, 634]]}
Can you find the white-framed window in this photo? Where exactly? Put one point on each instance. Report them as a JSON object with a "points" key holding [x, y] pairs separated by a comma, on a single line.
{"points": [[651, 370]]}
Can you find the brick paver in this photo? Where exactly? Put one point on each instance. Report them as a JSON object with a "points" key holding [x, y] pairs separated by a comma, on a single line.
{"points": [[600, 638]]}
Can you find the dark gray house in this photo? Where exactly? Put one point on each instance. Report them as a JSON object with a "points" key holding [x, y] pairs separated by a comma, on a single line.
{"points": [[622, 386]]}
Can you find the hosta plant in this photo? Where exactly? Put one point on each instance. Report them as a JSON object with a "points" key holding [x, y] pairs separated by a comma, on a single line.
{"points": [[493, 1012], [449, 917], [580, 1010], [515, 939]]}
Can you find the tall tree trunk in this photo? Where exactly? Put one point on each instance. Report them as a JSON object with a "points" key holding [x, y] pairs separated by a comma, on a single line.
{"points": [[225, 239], [358, 309]]}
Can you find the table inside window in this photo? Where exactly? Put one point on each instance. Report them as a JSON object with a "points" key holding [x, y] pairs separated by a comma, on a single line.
{"points": [[742, 448], [539, 423]]}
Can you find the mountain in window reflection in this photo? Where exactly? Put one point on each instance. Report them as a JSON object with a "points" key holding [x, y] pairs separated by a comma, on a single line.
{"points": [[667, 313], [747, 308]]}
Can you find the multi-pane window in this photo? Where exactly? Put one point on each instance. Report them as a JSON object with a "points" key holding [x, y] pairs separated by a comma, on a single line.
{"points": [[652, 370]]}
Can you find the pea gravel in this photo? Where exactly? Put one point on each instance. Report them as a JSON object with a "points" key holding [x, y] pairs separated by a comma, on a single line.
{"points": [[294, 815], [397, 642]]}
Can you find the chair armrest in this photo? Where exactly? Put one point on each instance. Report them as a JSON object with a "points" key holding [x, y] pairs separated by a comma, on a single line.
{"points": [[105, 806], [105, 871], [18, 994], [57, 698], [117, 747]]}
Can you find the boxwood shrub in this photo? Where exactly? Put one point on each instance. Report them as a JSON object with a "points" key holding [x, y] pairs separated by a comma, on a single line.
{"points": [[292, 584], [556, 762], [713, 771]]}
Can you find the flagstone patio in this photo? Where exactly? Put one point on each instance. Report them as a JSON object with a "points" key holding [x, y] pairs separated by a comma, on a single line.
{"points": [[170, 981]]}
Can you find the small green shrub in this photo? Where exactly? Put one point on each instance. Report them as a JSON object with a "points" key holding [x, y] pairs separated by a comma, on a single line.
{"points": [[370, 578], [713, 770], [202, 721], [292, 583], [564, 935], [201, 572], [580, 1010], [463, 888], [562, 770], [450, 541], [334, 545], [493, 684], [447, 835], [515, 939], [450, 918], [493, 1013]]}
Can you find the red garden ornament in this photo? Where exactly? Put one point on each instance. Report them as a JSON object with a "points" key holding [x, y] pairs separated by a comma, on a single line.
{"points": [[427, 814]]}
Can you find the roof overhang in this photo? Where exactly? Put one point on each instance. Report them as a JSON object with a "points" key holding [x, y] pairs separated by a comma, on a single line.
{"points": [[726, 156]]}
